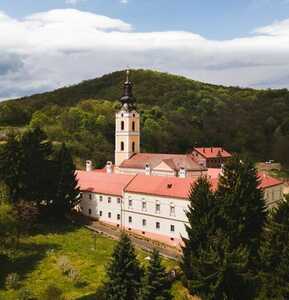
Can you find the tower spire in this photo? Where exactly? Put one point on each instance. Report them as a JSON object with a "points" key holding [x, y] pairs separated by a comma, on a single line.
{"points": [[127, 99]]}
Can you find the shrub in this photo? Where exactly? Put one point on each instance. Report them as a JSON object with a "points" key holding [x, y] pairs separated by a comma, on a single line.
{"points": [[24, 294], [12, 281], [52, 292]]}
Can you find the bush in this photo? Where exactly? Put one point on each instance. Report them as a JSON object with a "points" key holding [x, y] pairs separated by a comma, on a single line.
{"points": [[52, 292], [12, 281], [25, 294]]}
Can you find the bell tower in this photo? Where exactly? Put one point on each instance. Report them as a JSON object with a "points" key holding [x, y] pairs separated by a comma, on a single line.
{"points": [[127, 125]]}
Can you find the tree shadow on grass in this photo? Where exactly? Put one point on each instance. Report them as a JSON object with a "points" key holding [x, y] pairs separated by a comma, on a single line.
{"points": [[24, 259], [98, 295], [55, 227]]}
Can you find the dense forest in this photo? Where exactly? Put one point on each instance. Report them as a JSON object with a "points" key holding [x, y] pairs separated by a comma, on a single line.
{"points": [[176, 114]]}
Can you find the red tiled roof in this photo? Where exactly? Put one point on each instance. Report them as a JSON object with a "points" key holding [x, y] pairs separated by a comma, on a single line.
{"points": [[268, 181], [176, 161], [173, 187], [103, 183], [212, 152]]}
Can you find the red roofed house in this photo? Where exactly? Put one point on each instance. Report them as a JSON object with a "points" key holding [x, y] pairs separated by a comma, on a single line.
{"points": [[148, 192], [211, 157]]}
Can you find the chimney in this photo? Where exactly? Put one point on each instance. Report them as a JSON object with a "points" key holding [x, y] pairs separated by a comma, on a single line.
{"points": [[147, 169], [88, 165], [109, 167], [182, 173]]}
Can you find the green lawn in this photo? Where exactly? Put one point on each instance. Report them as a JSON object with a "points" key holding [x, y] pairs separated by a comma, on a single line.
{"points": [[36, 262]]}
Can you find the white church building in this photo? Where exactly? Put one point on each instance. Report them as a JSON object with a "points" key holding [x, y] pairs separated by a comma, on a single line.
{"points": [[147, 193]]}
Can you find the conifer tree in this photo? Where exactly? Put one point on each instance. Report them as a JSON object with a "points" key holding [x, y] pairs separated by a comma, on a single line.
{"points": [[123, 272], [200, 215], [67, 190], [242, 209], [156, 285], [10, 171], [274, 273], [36, 151]]}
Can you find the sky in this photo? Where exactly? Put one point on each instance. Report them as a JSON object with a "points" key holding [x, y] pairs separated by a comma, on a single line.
{"points": [[53, 43]]}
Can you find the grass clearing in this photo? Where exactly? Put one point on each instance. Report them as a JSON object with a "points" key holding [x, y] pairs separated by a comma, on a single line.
{"points": [[36, 261]]}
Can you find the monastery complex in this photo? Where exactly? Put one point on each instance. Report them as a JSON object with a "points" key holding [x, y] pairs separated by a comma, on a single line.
{"points": [[147, 193]]}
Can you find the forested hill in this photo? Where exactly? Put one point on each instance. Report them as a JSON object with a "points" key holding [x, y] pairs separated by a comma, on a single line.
{"points": [[177, 113]]}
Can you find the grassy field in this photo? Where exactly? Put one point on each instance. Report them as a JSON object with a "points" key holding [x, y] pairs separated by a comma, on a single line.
{"points": [[36, 261]]}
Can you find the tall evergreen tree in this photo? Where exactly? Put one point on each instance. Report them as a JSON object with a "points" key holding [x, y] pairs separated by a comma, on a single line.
{"points": [[156, 285], [67, 190], [274, 273], [10, 167], [36, 151], [200, 217], [123, 273], [242, 209]]}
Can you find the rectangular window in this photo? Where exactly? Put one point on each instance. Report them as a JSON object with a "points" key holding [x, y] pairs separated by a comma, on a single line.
{"points": [[109, 199], [90, 196], [158, 208], [100, 198], [100, 213], [118, 200], [130, 203], [144, 205], [158, 225], [89, 211], [109, 214], [118, 216], [129, 219], [172, 228], [144, 222], [172, 210]]}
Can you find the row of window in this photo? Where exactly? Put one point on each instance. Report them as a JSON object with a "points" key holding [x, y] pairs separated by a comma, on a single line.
{"points": [[144, 221], [132, 146], [157, 207], [132, 125], [144, 205]]}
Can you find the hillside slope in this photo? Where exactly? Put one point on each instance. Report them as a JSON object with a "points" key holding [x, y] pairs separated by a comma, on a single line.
{"points": [[177, 113]]}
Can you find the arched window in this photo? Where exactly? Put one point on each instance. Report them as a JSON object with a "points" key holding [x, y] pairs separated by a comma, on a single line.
{"points": [[133, 146], [122, 125], [122, 146], [133, 126]]}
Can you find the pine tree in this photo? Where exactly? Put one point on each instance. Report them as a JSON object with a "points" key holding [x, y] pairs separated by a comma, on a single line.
{"points": [[123, 272], [67, 190], [10, 171], [200, 216], [274, 253], [156, 285], [242, 209], [36, 151]]}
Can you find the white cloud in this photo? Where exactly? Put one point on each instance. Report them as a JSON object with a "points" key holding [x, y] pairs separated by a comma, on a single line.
{"points": [[124, 1], [60, 47]]}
